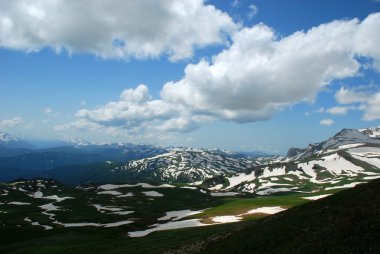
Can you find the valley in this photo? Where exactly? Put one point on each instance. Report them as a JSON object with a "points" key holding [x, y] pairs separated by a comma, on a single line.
{"points": [[195, 192]]}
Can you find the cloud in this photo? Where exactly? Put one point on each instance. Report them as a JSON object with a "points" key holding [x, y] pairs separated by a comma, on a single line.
{"points": [[258, 75], [114, 29], [368, 98], [338, 110], [47, 111], [347, 96], [252, 11], [315, 111], [11, 123], [261, 73], [326, 122], [50, 113], [236, 4], [85, 126], [136, 109]]}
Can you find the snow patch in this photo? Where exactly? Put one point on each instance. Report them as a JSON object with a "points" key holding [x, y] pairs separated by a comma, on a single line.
{"points": [[19, 203], [189, 187], [224, 194], [371, 177], [240, 178], [169, 225], [373, 161], [125, 195], [316, 197], [152, 194], [350, 185], [266, 210], [50, 207], [143, 185], [110, 192], [271, 191], [226, 219], [177, 215]]}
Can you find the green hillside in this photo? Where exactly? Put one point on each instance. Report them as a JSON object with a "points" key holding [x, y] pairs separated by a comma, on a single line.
{"points": [[347, 222]]}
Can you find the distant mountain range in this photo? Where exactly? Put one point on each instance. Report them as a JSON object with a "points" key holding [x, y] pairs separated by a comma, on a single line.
{"points": [[346, 159]]}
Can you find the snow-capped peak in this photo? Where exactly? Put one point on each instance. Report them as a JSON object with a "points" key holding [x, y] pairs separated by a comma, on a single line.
{"points": [[373, 132], [7, 138]]}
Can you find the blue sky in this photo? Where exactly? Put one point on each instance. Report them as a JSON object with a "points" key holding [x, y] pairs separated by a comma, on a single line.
{"points": [[242, 75]]}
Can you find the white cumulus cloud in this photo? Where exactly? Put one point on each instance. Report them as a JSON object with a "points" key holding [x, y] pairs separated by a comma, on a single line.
{"points": [[368, 99], [113, 28], [326, 122], [259, 74], [11, 122], [338, 110]]}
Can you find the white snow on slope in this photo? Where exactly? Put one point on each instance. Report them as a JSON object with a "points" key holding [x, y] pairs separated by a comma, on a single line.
{"points": [[373, 132], [373, 161], [123, 212], [189, 187], [365, 151], [39, 194], [152, 194], [143, 185], [177, 215], [224, 194], [125, 195], [350, 146], [349, 185], [333, 163], [110, 192], [266, 210], [216, 187], [371, 177], [240, 178], [226, 219], [236, 218], [50, 207], [103, 209], [271, 191], [169, 225], [250, 187], [35, 223], [316, 197], [116, 224], [19, 203], [275, 172], [92, 224]]}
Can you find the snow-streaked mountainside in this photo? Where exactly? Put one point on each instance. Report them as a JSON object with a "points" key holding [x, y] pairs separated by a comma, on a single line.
{"points": [[371, 132], [348, 158], [343, 139], [10, 141], [188, 165], [344, 160], [6, 138]]}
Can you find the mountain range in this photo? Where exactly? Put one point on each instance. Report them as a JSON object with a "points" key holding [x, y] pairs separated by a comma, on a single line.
{"points": [[145, 189], [346, 159]]}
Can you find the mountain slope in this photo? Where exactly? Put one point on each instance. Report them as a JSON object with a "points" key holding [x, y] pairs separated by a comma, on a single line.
{"points": [[12, 142], [188, 165], [348, 158], [347, 222]]}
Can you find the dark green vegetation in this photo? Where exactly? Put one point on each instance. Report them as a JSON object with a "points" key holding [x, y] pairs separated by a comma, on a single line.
{"points": [[19, 235], [347, 222]]}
